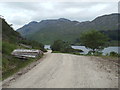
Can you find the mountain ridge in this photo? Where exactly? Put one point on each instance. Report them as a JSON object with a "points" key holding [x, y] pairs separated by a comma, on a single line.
{"points": [[46, 31]]}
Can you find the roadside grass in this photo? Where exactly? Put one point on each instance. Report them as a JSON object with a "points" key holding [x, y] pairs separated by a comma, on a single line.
{"points": [[110, 57], [11, 64], [16, 65], [75, 53], [98, 55], [56, 52]]}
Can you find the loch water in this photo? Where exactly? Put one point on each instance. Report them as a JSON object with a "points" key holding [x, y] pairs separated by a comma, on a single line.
{"points": [[86, 50]]}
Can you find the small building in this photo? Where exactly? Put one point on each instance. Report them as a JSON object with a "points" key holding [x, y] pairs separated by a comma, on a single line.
{"points": [[26, 53]]}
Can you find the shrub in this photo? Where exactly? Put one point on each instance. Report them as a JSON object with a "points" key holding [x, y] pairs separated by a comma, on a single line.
{"points": [[98, 53], [90, 53], [114, 54], [63, 46]]}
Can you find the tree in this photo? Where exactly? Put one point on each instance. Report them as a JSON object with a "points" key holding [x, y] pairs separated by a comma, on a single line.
{"points": [[94, 40], [64, 47], [61, 46]]}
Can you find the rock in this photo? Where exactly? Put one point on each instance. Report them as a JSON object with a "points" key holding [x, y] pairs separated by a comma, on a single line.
{"points": [[19, 73]]}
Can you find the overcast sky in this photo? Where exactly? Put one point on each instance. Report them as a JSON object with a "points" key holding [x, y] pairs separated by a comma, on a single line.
{"points": [[21, 13]]}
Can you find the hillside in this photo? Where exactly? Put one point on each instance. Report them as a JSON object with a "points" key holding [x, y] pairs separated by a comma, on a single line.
{"points": [[46, 31], [11, 40]]}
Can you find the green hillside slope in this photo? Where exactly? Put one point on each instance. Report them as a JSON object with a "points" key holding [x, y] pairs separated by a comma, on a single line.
{"points": [[11, 40]]}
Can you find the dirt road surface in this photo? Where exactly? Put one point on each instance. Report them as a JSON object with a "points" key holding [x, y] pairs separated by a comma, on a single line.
{"points": [[68, 71]]}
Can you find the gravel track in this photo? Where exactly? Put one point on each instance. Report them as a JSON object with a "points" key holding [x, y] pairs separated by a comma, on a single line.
{"points": [[59, 70]]}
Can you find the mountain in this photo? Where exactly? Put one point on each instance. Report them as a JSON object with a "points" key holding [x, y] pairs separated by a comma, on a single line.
{"points": [[46, 31]]}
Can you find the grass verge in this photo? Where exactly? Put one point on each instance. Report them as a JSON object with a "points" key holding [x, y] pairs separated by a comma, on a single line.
{"points": [[17, 65], [102, 56]]}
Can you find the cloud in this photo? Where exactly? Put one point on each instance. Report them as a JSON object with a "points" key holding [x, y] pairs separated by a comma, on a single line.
{"points": [[20, 13]]}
